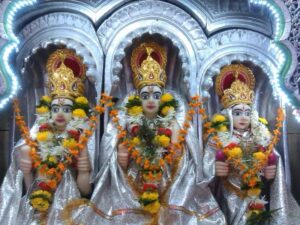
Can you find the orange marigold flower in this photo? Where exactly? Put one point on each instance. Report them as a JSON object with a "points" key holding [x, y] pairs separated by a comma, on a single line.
{"points": [[134, 154], [99, 109], [52, 184], [113, 112], [252, 182], [183, 131], [138, 160], [110, 104], [186, 125], [146, 164], [161, 162], [115, 119], [195, 98], [61, 166]]}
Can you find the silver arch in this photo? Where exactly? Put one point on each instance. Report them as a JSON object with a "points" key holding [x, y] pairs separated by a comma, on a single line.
{"points": [[241, 45], [138, 18], [72, 30]]}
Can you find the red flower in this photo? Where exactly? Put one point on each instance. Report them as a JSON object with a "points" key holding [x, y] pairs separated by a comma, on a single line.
{"points": [[149, 187], [231, 145], [45, 127], [262, 148], [134, 130], [44, 186], [161, 131], [74, 134], [220, 156], [256, 206], [168, 132]]}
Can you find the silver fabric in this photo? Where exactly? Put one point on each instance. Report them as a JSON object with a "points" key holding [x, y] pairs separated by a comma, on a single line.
{"points": [[235, 207], [15, 208], [113, 192]]}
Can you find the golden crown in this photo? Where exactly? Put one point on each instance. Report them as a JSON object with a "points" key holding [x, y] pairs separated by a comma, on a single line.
{"points": [[148, 63], [235, 85], [66, 73]]}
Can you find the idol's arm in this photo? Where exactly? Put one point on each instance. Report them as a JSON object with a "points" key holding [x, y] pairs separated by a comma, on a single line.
{"points": [[25, 165], [84, 169]]}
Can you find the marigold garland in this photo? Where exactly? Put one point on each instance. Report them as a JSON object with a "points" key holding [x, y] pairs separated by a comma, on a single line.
{"points": [[51, 167], [152, 173], [233, 154]]}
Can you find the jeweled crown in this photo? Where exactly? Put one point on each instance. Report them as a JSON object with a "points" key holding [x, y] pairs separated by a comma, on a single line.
{"points": [[148, 63], [66, 73], [235, 85]]}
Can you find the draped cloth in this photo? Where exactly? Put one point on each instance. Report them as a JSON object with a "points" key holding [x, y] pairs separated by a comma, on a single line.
{"points": [[235, 206], [187, 201], [15, 208]]}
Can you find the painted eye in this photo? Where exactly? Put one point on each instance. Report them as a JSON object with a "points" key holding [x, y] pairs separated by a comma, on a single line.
{"points": [[156, 96], [67, 109], [237, 113], [55, 109], [144, 96], [247, 113]]}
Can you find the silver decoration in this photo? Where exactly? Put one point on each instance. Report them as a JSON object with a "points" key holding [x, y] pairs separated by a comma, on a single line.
{"points": [[214, 15], [72, 30], [235, 207], [153, 17], [293, 81], [187, 190]]}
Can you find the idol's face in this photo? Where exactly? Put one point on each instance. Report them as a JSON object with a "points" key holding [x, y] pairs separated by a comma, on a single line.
{"points": [[150, 96], [241, 114], [61, 112]]}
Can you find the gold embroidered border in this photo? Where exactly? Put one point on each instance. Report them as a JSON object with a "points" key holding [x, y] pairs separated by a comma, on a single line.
{"points": [[231, 188]]}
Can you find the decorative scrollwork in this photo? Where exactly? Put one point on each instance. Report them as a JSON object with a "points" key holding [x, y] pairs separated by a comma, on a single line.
{"points": [[294, 37]]}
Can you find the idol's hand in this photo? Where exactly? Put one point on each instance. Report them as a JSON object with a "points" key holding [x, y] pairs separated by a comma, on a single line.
{"points": [[83, 163], [270, 172], [123, 156], [25, 166], [25, 162], [222, 169]]}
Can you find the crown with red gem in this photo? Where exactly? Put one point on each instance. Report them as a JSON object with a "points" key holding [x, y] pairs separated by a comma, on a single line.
{"points": [[235, 85], [148, 63], [66, 73]]}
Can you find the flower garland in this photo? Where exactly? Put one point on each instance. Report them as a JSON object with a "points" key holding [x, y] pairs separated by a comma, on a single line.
{"points": [[249, 162], [56, 153], [151, 147], [149, 191]]}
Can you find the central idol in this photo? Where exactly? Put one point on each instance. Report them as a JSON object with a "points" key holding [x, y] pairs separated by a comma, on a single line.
{"points": [[146, 176]]}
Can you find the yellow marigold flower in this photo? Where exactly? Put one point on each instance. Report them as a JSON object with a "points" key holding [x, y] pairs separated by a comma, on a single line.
{"points": [[153, 207], [40, 204], [218, 118], [52, 159], [44, 136], [45, 194], [222, 128], [259, 156], [167, 109], [263, 120], [253, 192], [135, 141], [69, 143], [42, 109], [166, 97], [150, 195], [81, 100], [46, 98], [79, 113], [235, 152], [135, 110], [131, 97], [164, 140]]}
